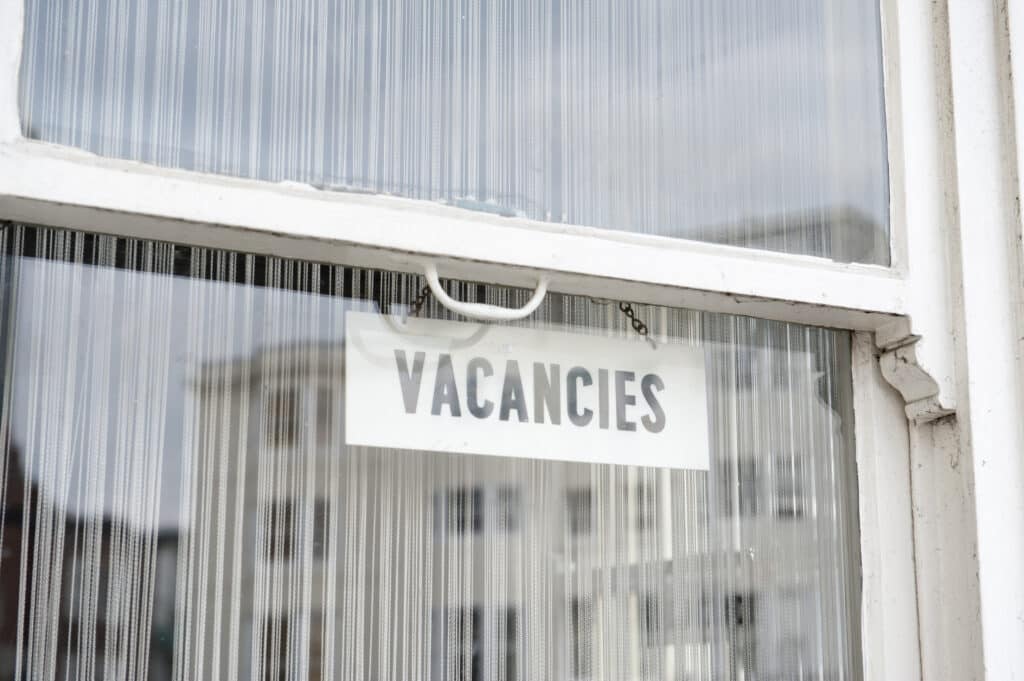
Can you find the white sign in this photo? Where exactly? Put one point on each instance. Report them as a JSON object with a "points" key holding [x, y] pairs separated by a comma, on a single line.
{"points": [[537, 394]]}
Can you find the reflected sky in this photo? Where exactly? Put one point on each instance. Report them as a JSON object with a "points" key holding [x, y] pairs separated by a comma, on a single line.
{"points": [[744, 122]]}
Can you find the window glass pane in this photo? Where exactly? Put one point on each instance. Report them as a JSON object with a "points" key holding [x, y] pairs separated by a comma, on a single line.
{"points": [[155, 520], [748, 122]]}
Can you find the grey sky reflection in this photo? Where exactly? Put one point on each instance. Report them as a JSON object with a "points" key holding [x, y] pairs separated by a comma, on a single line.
{"points": [[748, 122]]}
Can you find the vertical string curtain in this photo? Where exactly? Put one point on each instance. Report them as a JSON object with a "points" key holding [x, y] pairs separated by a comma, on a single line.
{"points": [[179, 501], [749, 122]]}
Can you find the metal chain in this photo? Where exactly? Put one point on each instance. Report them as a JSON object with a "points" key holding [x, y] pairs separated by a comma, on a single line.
{"points": [[418, 302], [638, 324], [634, 321]]}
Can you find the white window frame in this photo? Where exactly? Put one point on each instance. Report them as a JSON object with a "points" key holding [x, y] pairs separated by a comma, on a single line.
{"points": [[54, 184], [906, 317]]}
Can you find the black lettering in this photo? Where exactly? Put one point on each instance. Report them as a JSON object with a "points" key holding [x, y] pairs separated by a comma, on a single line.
{"points": [[410, 380], [473, 369], [623, 399], [445, 390], [573, 378], [547, 391], [512, 394], [648, 384]]}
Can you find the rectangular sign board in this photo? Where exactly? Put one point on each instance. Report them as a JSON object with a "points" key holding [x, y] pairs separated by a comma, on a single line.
{"points": [[434, 385]]}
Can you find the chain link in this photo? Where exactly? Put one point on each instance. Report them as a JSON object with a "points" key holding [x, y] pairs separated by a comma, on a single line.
{"points": [[638, 324], [627, 309], [634, 321], [418, 302]]}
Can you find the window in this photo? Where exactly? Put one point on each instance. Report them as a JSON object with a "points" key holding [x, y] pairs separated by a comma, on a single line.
{"points": [[460, 510], [650, 613], [646, 500], [579, 507], [750, 124], [581, 621], [474, 646], [509, 508], [326, 417], [468, 659], [797, 166], [740, 619], [179, 344], [275, 645], [281, 530], [739, 610], [321, 533], [511, 643], [286, 529], [789, 486], [283, 417], [740, 486]]}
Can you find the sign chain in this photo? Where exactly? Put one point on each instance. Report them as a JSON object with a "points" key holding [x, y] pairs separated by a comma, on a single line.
{"points": [[634, 321], [638, 324], [418, 302]]}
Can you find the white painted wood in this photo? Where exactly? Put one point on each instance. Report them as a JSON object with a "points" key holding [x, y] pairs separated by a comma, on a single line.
{"points": [[49, 184], [889, 606], [1015, 27], [991, 393], [946, 555], [11, 22], [922, 207], [54, 185]]}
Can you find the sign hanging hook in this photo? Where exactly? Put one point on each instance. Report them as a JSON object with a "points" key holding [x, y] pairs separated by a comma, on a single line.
{"points": [[484, 311]]}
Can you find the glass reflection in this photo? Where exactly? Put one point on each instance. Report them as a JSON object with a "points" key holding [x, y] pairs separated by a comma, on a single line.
{"points": [[753, 123], [179, 501]]}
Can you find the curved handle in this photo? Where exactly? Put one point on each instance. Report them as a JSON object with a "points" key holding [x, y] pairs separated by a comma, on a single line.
{"points": [[484, 311]]}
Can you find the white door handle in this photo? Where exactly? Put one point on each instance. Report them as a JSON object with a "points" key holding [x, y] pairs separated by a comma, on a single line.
{"points": [[484, 311]]}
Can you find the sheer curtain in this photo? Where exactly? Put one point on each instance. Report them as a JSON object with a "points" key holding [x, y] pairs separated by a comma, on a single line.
{"points": [[179, 502], [748, 122]]}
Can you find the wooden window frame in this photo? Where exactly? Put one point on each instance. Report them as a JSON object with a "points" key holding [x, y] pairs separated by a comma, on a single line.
{"points": [[904, 316]]}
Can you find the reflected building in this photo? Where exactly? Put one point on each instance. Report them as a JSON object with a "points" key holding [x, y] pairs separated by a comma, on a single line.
{"points": [[98, 627], [840, 232], [334, 562]]}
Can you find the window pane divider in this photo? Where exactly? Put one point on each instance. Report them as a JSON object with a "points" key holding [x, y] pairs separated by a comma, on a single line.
{"points": [[49, 184], [42, 182]]}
